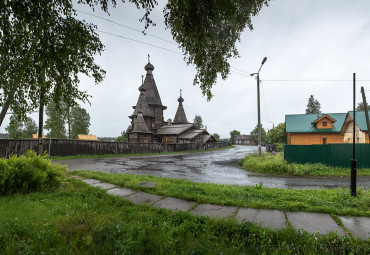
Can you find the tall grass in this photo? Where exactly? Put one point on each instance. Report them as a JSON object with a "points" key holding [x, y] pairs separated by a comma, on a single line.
{"points": [[77, 219], [276, 165]]}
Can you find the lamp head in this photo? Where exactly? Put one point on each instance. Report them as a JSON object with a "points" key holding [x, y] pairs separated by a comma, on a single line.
{"points": [[264, 60]]}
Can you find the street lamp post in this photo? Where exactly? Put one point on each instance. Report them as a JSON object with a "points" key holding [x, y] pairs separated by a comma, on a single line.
{"points": [[258, 106]]}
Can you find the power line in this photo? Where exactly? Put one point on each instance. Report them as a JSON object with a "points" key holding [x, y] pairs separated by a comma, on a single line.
{"points": [[312, 80], [122, 25], [243, 73], [127, 38]]}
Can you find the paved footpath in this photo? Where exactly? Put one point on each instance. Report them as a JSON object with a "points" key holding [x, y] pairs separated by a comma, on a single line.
{"points": [[274, 219]]}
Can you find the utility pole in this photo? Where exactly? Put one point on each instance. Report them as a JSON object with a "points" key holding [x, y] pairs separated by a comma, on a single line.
{"points": [[354, 161], [366, 112], [258, 107], [69, 125]]}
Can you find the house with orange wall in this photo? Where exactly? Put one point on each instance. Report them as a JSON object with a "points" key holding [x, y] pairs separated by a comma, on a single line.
{"points": [[307, 129]]}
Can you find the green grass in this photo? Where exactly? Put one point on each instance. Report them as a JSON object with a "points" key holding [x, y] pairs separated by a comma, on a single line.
{"points": [[276, 165], [133, 154], [79, 219], [334, 201]]}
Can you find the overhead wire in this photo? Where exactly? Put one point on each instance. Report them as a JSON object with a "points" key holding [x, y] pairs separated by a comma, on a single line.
{"points": [[238, 71]]}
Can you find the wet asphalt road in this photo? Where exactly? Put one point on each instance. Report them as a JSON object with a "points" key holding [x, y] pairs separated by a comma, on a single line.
{"points": [[213, 167]]}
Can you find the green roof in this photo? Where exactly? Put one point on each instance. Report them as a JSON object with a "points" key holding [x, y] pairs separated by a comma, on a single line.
{"points": [[360, 119], [302, 123]]}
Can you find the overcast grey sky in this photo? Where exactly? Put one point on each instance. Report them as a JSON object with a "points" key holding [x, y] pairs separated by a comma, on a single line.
{"points": [[303, 40]]}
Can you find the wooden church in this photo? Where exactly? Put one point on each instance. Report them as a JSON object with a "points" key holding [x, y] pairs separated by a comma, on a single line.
{"points": [[147, 121]]}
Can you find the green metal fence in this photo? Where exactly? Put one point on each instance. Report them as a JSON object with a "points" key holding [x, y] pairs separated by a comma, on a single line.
{"points": [[330, 154]]}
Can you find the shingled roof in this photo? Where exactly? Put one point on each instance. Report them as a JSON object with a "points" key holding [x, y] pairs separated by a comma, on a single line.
{"points": [[151, 92], [180, 117], [139, 124], [142, 104]]}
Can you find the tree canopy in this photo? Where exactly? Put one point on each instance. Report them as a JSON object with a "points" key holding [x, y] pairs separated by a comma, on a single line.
{"points": [[42, 50], [216, 136], [254, 133], [80, 121], [233, 134], [207, 32], [277, 134], [198, 122], [360, 107], [313, 106], [21, 128], [44, 46], [122, 137], [55, 121]]}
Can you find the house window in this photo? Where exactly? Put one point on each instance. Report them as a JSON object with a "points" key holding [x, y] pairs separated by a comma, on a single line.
{"points": [[324, 141], [324, 123]]}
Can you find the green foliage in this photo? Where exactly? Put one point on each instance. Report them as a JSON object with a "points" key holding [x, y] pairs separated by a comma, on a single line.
{"points": [[276, 165], [121, 138], [277, 134], [80, 121], [216, 136], [279, 147], [254, 133], [21, 129], [207, 31], [233, 134], [360, 107], [169, 121], [78, 219], [198, 122], [28, 173], [313, 106], [43, 50], [55, 121]]}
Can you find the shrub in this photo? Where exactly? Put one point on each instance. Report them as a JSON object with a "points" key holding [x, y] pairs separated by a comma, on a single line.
{"points": [[29, 173]]}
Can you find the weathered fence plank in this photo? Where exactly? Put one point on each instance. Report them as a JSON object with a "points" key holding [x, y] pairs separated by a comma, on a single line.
{"points": [[66, 147]]}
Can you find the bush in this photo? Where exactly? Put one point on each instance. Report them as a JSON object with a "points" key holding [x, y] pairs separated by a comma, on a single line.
{"points": [[29, 173], [279, 147]]}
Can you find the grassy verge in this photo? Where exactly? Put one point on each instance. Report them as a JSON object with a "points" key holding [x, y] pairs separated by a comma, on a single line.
{"points": [[133, 154], [334, 201], [276, 165], [78, 219]]}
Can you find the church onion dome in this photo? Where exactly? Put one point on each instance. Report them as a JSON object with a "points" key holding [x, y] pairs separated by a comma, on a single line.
{"points": [[149, 67], [142, 88], [180, 100]]}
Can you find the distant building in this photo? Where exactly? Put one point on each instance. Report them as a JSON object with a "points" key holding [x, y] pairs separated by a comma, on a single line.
{"points": [[307, 129], [147, 121], [36, 136], [244, 139], [87, 137]]}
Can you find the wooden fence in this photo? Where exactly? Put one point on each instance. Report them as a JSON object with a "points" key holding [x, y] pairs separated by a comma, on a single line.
{"points": [[65, 147]]}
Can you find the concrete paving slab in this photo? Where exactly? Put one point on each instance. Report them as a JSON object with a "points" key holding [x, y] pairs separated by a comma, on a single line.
{"points": [[91, 181], [122, 192], [314, 222], [104, 185], [143, 198], [175, 204], [214, 211], [274, 219], [359, 226]]}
